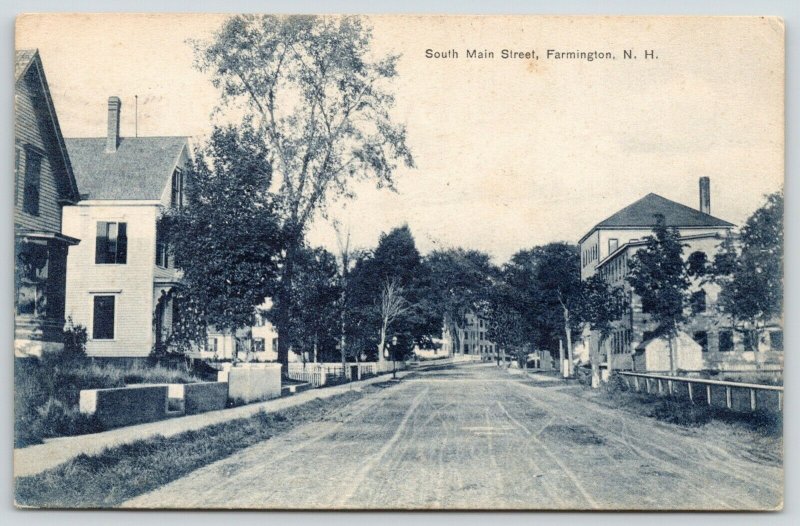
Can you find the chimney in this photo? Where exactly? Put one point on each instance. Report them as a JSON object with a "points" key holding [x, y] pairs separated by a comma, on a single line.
{"points": [[112, 140], [705, 195]]}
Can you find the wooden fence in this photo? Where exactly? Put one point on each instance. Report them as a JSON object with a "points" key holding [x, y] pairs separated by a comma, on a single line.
{"points": [[736, 396]]}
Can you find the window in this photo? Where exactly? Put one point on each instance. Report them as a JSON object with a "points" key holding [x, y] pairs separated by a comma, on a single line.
{"points": [[103, 320], [613, 244], [258, 344], [697, 263], [725, 341], [698, 301], [33, 168], [776, 340], [112, 243], [466, 348], [162, 249], [275, 345], [701, 337], [213, 345], [177, 189], [31, 280]]}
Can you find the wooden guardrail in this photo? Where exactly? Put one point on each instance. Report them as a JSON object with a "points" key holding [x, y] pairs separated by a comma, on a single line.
{"points": [[711, 392]]}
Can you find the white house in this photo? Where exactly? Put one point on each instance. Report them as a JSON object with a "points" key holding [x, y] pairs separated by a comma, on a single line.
{"points": [[120, 277], [261, 340], [44, 183]]}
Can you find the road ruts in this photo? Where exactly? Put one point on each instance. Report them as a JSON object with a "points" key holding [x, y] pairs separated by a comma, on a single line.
{"points": [[476, 437]]}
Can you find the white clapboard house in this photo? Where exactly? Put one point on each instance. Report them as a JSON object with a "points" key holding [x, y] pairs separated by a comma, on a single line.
{"points": [[120, 276]]}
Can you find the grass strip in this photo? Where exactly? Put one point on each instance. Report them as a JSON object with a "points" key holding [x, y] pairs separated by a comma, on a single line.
{"points": [[120, 473]]}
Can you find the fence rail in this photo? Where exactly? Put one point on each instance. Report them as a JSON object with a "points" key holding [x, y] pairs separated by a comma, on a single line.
{"points": [[736, 396]]}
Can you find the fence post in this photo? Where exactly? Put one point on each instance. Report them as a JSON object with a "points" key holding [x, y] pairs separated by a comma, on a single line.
{"points": [[752, 399], [647, 385], [780, 401], [708, 394], [636, 381], [728, 396], [660, 387], [669, 387], [691, 398]]}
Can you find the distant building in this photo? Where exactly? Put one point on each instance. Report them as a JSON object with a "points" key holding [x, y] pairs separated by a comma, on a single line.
{"points": [[471, 339], [121, 277], [44, 183], [609, 246], [259, 341]]}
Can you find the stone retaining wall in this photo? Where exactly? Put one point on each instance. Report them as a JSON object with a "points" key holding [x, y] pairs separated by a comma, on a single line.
{"points": [[124, 406]]}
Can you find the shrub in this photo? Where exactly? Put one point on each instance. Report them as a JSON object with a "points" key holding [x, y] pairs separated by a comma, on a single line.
{"points": [[616, 384], [75, 337], [47, 392], [682, 413]]}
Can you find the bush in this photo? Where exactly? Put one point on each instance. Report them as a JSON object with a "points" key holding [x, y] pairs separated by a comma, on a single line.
{"points": [[616, 384], [682, 413], [75, 337], [47, 392]]}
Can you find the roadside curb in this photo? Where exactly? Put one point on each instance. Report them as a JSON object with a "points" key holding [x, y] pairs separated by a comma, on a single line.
{"points": [[35, 459]]}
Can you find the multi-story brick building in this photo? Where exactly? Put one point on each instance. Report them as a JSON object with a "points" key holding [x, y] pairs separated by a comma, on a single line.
{"points": [[608, 247], [44, 183]]}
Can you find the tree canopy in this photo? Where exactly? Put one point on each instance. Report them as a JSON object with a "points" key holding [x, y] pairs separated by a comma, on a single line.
{"points": [[227, 239], [751, 275], [310, 89]]}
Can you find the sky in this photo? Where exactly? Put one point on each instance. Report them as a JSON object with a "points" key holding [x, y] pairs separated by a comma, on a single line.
{"points": [[509, 153]]}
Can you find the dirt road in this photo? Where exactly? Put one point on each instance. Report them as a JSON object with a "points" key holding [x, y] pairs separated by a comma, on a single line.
{"points": [[475, 437]]}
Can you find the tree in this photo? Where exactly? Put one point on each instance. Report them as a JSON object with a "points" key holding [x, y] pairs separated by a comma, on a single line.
{"points": [[659, 277], [751, 277], [315, 308], [600, 306], [309, 88], [505, 319], [547, 279], [458, 282], [226, 240], [393, 305]]}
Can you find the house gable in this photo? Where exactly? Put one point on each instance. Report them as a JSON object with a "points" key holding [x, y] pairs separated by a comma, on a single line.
{"points": [[40, 151]]}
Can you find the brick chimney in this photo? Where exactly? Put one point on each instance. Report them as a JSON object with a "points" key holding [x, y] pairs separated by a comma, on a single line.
{"points": [[112, 139], [705, 195]]}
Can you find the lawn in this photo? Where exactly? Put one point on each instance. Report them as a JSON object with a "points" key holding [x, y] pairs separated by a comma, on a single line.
{"points": [[123, 472], [47, 392]]}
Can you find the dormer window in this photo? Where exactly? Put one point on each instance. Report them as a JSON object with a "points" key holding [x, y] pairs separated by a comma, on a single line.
{"points": [[177, 189]]}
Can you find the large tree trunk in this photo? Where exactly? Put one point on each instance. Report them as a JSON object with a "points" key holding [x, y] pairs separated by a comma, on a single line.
{"points": [[284, 302], [316, 346], [382, 346], [595, 359], [568, 334], [672, 369]]}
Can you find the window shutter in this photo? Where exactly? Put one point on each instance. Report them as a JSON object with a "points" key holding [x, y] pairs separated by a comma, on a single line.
{"points": [[122, 243], [101, 244]]}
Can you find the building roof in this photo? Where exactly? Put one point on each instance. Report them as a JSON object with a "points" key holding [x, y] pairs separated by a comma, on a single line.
{"points": [[138, 170], [24, 59], [642, 214]]}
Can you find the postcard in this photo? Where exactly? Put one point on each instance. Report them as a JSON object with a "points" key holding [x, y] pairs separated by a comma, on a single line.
{"points": [[285, 262]]}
